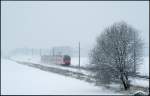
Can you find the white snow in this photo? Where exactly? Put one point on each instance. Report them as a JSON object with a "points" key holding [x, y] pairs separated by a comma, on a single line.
{"points": [[140, 82], [34, 59], [19, 79], [83, 61], [144, 67]]}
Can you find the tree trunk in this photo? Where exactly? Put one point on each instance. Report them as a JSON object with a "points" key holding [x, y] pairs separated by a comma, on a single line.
{"points": [[125, 82]]}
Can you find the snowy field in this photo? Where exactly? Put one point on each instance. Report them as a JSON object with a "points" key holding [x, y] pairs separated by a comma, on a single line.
{"points": [[19, 79]]}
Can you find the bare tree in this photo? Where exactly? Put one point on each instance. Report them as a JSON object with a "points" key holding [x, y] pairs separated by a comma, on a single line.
{"points": [[117, 54]]}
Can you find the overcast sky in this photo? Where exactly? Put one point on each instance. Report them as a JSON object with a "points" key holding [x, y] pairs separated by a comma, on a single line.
{"points": [[45, 24]]}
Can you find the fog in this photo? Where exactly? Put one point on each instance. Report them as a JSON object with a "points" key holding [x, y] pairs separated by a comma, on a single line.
{"points": [[43, 24]]}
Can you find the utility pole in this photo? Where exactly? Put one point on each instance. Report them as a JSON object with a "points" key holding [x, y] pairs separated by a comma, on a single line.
{"points": [[134, 54], [53, 51], [79, 55]]}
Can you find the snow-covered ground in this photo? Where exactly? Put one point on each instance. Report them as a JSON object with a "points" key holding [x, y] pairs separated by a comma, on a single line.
{"points": [[144, 67], [20, 79], [139, 82]]}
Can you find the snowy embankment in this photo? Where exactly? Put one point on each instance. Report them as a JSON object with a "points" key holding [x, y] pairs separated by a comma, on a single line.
{"points": [[20, 79], [36, 60], [139, 82], [143, 70]]}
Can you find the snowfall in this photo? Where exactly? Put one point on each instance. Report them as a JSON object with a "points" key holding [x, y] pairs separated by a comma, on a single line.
{"points": [[17, 79]]}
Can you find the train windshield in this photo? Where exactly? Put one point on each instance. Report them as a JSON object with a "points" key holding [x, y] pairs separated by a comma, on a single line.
{"points": [[66, 57]]}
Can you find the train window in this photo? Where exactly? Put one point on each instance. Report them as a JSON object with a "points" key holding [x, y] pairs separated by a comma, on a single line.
{"points": [[66, 57]]}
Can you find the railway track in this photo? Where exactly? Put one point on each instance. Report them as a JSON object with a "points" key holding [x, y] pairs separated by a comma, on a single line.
{"points": [[78, 75]]}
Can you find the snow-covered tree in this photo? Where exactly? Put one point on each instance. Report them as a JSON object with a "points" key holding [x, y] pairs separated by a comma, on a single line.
{"points": [[117, 54]]}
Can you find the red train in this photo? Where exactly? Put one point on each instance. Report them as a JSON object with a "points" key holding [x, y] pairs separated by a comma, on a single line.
{"points": [[66, 59], [56, 59]]}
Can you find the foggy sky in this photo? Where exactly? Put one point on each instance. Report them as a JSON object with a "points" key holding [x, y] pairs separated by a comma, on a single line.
{"points": [[46, 24]]}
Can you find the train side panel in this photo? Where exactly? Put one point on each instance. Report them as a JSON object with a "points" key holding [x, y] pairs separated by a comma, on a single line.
{"points": [[57, 59]]}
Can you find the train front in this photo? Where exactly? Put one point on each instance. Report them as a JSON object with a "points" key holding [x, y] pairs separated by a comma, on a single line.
{"points": [[66, 60]]}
